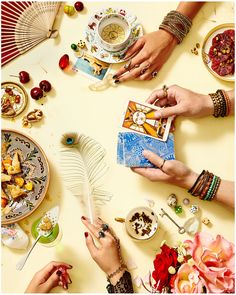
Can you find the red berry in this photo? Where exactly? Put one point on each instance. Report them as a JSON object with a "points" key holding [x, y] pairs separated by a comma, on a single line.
{"points": [[45, 85], [17, 99], [64, 61], [36, 93], [79, 6], [24, 77]]}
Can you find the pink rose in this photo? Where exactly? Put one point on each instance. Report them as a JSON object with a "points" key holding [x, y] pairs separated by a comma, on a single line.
{"points": [[214, 259], [187, 280]]}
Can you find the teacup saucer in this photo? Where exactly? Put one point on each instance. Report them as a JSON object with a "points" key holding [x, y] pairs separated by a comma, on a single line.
{"points": [[93, 43]]}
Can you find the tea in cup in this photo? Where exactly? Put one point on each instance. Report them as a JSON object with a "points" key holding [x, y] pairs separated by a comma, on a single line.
{"points": [[114, 32]]}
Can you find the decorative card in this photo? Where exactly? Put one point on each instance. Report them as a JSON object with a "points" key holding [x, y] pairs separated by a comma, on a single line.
{"points": [[131, 145], [139, 117], [91, 67]]}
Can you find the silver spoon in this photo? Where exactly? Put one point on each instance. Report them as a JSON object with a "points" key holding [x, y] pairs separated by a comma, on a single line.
{"points": [[22, 262], [53, 216], [181, 228]]}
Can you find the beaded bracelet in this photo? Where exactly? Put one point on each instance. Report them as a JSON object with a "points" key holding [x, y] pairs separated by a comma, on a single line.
{"points": [[119, 269], [205, 186], [177, 24], [221, 103]]}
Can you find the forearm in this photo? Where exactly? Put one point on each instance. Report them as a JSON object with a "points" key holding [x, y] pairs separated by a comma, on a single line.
{"points": [[225, 193], [231, 99], [189, 9]]}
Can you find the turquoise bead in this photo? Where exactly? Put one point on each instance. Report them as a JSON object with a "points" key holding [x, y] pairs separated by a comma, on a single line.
{"points": [[178, 209]]}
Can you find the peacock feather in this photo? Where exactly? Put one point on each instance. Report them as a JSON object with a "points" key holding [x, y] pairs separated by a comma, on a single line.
{"points": [[83, 167]]}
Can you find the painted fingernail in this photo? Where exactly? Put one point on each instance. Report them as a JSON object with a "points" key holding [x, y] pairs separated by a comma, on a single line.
{"points": [[86, 234], [70, 266], [83, 217], [70, 281], [122, 55], [114, 77], [58, 273], [117, 81]]}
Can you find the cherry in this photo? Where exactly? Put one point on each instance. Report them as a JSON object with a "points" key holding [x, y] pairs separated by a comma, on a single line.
{"points": [[79, 6], [45, 85], [23, 76], [36, 93]]}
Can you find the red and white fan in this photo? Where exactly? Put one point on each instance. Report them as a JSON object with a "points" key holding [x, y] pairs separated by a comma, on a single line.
{"points": [[24, 24]]}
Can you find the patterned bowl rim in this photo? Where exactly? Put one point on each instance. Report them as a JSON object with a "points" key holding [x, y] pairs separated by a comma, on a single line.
{"points": [[48, 176], [218, 27]]}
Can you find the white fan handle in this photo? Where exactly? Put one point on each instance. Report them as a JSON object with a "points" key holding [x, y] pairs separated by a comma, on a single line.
{"points": [[22, 262]]}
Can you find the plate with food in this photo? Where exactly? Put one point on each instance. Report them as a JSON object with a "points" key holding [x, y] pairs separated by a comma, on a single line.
{"points": [[141, 223], [218, 51], [24, 176], [13, 99]]}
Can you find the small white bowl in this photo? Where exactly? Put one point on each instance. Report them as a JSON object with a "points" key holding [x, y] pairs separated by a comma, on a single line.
{"points": [[141, 223], [113, 32]]}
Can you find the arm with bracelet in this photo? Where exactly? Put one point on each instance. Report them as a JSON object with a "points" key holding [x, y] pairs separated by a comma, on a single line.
{"points": [[150, 52], [108, 255], [206, 186]]}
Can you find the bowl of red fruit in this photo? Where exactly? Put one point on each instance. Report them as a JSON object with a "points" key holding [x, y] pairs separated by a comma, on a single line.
{"points": [[218, 51]]}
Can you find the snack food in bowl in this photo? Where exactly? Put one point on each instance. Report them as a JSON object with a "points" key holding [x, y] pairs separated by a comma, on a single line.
{"points": [[141, 223], [113, 32]]}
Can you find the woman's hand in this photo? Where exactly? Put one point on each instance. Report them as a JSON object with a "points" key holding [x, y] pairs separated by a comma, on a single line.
{"points": [[171, 171], [149, 54], [48, 278], [107, 255], [181, 101]]}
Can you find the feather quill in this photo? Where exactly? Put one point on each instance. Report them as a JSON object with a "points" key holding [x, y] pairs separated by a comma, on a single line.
{"points": [[83, 167]]}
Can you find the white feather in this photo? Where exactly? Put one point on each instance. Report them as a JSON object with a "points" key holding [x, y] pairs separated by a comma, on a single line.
{"points": [[83, 167]]}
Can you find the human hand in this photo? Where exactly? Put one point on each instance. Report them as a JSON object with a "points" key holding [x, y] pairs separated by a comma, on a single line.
{"points": [[48, 278], [107, 255], [171, 171], [181, 101], [150, 53]]}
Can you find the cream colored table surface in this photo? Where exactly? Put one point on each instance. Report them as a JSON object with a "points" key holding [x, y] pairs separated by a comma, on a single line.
{"points": [[200, 143]]}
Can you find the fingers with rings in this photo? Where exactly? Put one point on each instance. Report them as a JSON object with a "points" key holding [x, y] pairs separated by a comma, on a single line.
{"points": [[165, 91], [162, 164]]}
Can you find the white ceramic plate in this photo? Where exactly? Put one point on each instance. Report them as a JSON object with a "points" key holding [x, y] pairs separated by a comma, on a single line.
{"points": [[93, 43], [141, 223]]}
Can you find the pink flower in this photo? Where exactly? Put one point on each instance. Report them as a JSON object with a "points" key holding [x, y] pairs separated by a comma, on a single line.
{"points": [[214, 259], [187, 280]]}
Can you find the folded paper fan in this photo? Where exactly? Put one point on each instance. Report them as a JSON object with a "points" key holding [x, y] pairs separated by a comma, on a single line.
{"points": [[24, 24]]}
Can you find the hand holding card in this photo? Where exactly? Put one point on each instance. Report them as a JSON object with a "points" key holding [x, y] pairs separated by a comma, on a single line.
{"points": [[140, 117]]}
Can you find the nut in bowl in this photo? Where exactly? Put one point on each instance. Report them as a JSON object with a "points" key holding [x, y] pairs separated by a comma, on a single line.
{"points": [[114, 32], [141, 223]]}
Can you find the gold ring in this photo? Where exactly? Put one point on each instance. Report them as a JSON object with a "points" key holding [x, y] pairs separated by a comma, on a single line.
{"points": [[165, 88]]}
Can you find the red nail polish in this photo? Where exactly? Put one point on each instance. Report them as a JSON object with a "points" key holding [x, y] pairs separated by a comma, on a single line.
{"points": [[83, 217], [86, 234]]}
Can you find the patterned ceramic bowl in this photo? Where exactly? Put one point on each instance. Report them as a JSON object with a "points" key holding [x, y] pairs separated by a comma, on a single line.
{"points": [[114, 32], [34, 170]]}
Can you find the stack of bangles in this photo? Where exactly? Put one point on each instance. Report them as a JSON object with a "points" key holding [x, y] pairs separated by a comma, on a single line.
{"points": [[221, 103], [177, 24], [206, 186]]}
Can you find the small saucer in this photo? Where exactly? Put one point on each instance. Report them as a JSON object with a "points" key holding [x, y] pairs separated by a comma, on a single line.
{"points": [[141, 223], [13, 98], [93, 44]]}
